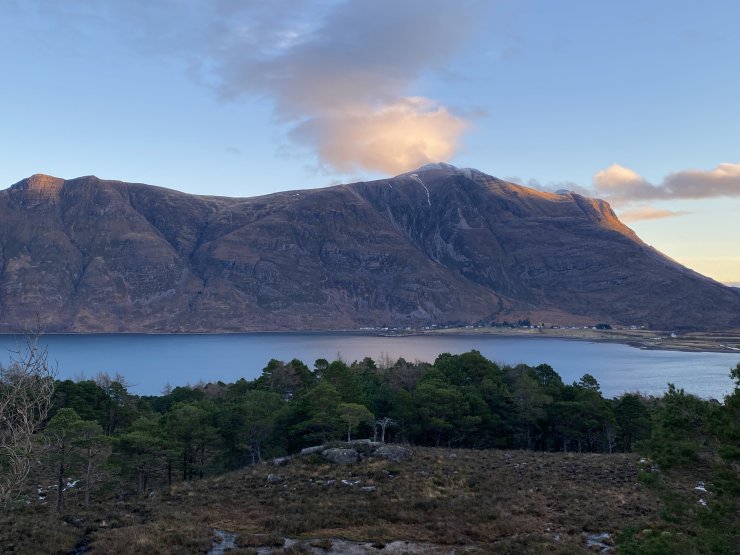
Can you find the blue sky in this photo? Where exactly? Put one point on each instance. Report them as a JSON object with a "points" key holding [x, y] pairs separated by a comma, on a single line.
{"points": [[632, 101]]}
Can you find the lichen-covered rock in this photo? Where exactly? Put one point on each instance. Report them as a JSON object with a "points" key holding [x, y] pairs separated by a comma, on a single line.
{"points": [[366, 442], [314, 449], [393, 453], [363, 446], [341, 456]]}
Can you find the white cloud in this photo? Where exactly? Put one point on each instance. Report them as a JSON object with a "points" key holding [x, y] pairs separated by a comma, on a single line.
{"points": [[722, 181]]}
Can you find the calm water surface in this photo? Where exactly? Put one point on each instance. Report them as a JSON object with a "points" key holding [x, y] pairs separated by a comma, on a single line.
{"points": [[149, 362]]}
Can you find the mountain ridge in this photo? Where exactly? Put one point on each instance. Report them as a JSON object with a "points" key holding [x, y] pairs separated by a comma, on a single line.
{"points": [[435, 245]]}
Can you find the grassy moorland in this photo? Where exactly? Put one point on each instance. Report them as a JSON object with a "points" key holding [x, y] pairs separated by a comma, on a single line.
{"points": [[492, 501], [482, 501]]}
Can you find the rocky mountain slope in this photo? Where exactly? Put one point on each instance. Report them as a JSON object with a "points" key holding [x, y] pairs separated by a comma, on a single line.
{"points": [[438, 245]]}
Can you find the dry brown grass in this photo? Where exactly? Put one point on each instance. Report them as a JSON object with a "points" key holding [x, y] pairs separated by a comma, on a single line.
{"points": [[35, 530], [489, 501]]}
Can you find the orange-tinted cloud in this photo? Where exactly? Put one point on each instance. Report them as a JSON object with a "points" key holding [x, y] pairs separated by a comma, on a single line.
{"points": [[648, 213], [393, 138], [622, 185], [341, 82]]}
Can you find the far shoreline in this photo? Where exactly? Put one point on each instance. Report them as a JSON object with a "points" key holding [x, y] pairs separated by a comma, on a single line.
{"points": [[726, 341]]}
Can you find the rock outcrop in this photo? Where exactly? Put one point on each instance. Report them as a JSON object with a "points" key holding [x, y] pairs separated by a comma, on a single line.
{"points": [[435, 246], [393, 453], [341, 456]]}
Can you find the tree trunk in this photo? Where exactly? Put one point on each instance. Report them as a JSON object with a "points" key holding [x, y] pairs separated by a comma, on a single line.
{"points": [[88, 476], [60, 486], [140, 482], [628, 443], [109, 418]]}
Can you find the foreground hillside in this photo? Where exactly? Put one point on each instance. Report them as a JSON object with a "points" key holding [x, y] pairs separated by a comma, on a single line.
{"points": [[440, 245], [477, 500], [439, 502]]}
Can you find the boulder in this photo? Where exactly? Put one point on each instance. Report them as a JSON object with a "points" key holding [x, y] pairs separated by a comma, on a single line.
{"points": [[341, 456], [393, 453], [363, 442], [314, 449]]}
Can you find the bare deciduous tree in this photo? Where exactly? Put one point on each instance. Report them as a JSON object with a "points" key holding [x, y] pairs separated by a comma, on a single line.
{"points": [[383, 424], [26, 389]]}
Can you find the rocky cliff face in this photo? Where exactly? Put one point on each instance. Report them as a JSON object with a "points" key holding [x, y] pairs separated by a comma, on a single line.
{"points": [[438, 245]]}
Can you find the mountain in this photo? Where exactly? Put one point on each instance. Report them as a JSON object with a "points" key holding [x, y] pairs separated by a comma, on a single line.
{"points": [[433, 246]]}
